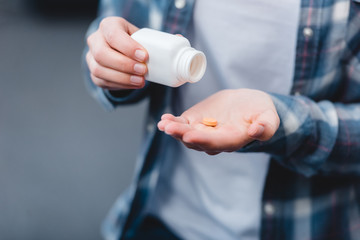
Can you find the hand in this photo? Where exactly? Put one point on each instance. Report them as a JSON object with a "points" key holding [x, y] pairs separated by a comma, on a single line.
{"points": [[243, 115], [115, 60]]}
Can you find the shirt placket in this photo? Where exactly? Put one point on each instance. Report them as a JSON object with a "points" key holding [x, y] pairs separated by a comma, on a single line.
{"points": [[307, 46], [178, 17]]}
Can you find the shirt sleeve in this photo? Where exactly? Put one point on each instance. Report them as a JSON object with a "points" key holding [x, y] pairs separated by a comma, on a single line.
{"points": [[314, 137]]}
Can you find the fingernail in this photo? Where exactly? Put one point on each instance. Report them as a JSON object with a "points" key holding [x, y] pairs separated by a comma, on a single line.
{"points": [[160, 125], [136, 80], [140, 68], [140, 55]]}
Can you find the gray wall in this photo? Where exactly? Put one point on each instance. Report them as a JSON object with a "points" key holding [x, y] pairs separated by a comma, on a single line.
{"points": [[63, 159]]}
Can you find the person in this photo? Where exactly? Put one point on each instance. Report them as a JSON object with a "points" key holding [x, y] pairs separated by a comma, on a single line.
{"points": [[283, 82]]}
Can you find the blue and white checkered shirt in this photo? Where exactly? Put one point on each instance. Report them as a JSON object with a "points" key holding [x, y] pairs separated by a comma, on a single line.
{"points": [[313, 185]]}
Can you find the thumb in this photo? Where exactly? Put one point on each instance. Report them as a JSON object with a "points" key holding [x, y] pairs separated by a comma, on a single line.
{"points": [[264, 125]]}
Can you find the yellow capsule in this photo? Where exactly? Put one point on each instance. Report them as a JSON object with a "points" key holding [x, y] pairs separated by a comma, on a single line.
{"points": [[210, 122]]}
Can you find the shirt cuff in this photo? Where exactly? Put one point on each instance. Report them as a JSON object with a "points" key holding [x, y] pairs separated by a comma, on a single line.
{"points": [[305, 137]]}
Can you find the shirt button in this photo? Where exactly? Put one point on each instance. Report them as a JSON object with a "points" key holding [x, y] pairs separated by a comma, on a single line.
{"points": [[180, 4], [269, 209], [308, 32]]}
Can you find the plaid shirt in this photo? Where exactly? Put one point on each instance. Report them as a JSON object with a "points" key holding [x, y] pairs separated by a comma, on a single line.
{"points": [[312, 189]]}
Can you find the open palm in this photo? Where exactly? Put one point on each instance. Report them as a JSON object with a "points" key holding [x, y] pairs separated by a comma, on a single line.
{"points": [[243, 115]]}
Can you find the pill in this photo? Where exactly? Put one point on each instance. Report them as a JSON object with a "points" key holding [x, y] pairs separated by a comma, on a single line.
{"points": [[211, 122]]}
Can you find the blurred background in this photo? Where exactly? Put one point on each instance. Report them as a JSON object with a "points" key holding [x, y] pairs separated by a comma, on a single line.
{"points": [[63, 159]]}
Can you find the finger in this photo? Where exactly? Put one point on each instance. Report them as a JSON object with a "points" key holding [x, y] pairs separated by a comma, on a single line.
{"points": [[105, 84], [256, 130], [167, 116], [264, 125], [102, 83], [119, 79], [176, 130], [166, 121], [117, 33], [108, 57], [171, 117], [161, 124], [110, 23]]}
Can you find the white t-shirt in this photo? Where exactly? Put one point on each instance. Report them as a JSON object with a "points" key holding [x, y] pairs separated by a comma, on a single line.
{"points": [[248, 44]]}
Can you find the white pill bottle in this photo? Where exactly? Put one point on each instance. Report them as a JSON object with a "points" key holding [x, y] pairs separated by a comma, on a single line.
{"points": [[172, 61]]}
